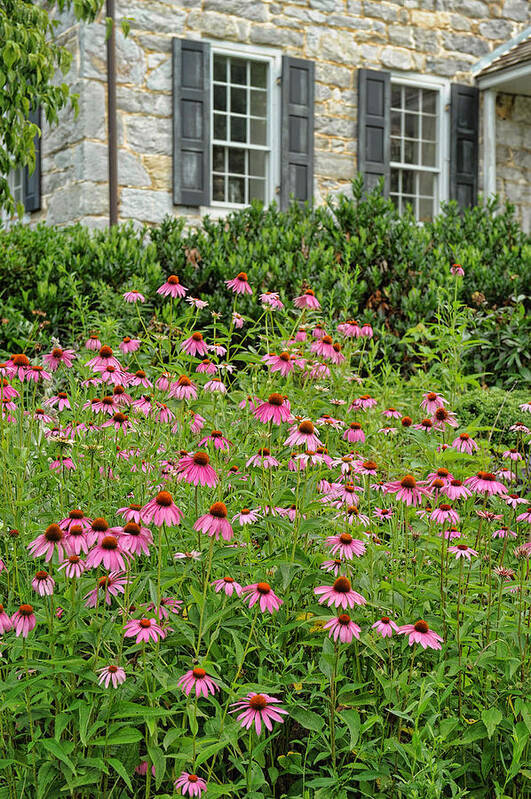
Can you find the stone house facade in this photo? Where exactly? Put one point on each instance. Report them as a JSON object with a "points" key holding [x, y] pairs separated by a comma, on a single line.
{"points": [[222, 101]]}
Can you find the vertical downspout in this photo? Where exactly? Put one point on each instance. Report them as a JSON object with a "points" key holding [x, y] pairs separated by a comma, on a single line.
{"points": [[111, 118], [489, 143]]}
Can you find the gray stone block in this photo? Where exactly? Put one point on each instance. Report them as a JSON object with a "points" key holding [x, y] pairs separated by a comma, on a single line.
{"points": [[130, 170], [160, 78], [519, 10], [461, 43], [140, 101], [381, 10], [145, 205], [496, 29], [148, 135], [335, 165], [153, 16], [255, 10], [401, 35], [396, 59]]}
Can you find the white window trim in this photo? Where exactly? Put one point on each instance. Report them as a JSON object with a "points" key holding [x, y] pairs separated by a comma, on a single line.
{"points": [[443, 126], [274, 57], [6, 220]]}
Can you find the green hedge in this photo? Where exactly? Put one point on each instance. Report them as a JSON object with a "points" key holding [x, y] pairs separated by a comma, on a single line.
{"points": [[361, 257]]}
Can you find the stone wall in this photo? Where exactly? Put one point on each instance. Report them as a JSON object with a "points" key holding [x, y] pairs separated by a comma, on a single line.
{"points": [[432, 37], [513, 153]]}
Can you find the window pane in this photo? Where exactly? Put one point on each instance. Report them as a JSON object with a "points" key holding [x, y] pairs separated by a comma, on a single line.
{"points": [[258, 131], [238, 101], [425, 210], [429, 101], [411, 152], [237, 161], [218, 159], [396, 154], [428, 154], [218, 188], [259, 74], [257, 190], [408, 181], [396, 201], [396, 123], [396, 95], [426, 183], [220, 98], [220, 67], [411, 128], [259, 104], [412, 98], [257, 163], [238, 71], [220, 126], [238, 128], [395, 174], [236, 190], [428, 128]]}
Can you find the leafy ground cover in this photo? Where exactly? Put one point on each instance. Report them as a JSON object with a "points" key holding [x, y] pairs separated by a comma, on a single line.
{"points": [[250, 560]]}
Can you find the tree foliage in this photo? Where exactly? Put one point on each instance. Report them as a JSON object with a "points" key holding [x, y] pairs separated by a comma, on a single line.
{"points": [[30, 58]]}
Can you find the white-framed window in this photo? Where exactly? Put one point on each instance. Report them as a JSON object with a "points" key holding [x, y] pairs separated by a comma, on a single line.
{"points": [[245, 125], [16, 184], [419, 144]]}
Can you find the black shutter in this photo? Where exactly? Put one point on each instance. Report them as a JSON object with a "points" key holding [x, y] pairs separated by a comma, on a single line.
{"points": [[32, 182], [374, 114], [296, 151], [191, 122], [464, 129]]}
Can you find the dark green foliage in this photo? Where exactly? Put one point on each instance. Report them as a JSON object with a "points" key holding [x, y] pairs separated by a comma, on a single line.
{"points": [[493, 409], [361, 257]]}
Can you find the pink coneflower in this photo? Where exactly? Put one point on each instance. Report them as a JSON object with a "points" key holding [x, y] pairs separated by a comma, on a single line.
{"points": [[263, 459], [334, 566], [276, 409], [190, 784], [195, 469], [323, 347], [195, 345], [215, 385], [103, 360], [60, 400], [183, 389], [444, 513], [420, 633], [407, 490], [383, 513], [263, 594], [194, 554], [425, 424], [144, 629], [43, 583], [197, 680], [519, 427], [237, 320], [23, 621], [489, 516], [353, 515], [239, 284], [463, 443], [131, 513], [172, 288], [246, 516], [354, 433], [366, 330], [58, 356], [345, 545], [93, 342], [228, 585], [162, 510], [457, 269], [307, 300], [52, 540], [442, 417], [485, 483], [271, 299], [134, 538], [128, 344], [140, 379], [134, 296], [512, 454], [167, 605], [504, 532], [215, 522], [142, 768], [340, 594], [112, 584], [525, 516], [37, 373], [217, 438], [301, 334], [283, 363], [18, 366], [303, 434], [206, 367], [109, 552], [109, 674], [5, 621], [73, 566], [385, 626], [342, 627], [431, 401], [450, 534], [63, 463], [456, 490], [120, 421], [349, 329], [462, 551], [525, 406], [258, 708]]}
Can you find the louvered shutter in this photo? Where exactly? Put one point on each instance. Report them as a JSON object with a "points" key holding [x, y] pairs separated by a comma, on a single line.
{"points": [[32, 182], [296, 156], [374, 114], [191, 122], [464, 129]]}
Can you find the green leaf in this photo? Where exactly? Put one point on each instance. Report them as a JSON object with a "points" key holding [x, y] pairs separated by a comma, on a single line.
{"points": [[491, 717], [125, 736], [307, 718], [57, 749], [353, 722], [119, 767]]}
